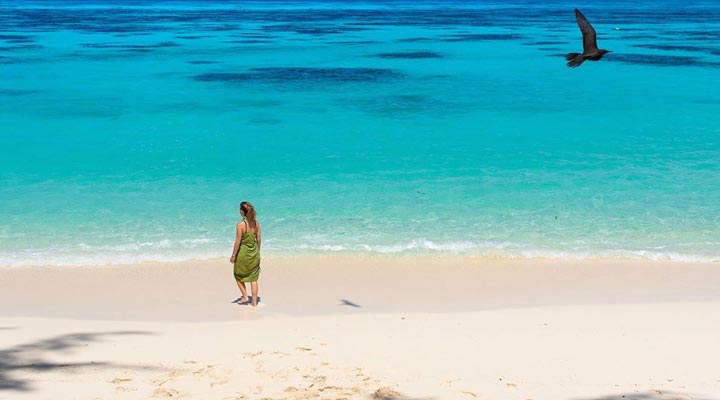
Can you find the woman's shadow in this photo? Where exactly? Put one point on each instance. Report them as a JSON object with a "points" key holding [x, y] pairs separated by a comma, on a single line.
{"points": [[245, 303]]}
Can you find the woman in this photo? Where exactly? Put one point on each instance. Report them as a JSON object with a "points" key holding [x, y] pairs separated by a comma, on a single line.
{"points": [[246, 253]]}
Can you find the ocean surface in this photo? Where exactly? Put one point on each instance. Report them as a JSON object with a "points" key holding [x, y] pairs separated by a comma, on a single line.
{"points": [[131, 130]]}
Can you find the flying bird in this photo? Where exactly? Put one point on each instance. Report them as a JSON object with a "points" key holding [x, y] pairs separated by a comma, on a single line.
{"points": [[590, 49]]}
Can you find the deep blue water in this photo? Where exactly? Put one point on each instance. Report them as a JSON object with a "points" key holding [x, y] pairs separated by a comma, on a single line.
{"points": [[131, 130]]}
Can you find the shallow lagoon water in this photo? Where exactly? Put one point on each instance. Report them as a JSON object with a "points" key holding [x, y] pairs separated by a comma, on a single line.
{"points": [[132, 130]]}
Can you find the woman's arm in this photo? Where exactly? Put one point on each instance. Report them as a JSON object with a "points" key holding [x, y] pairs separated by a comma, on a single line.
{"points": [[238, 238], [259, 236]]}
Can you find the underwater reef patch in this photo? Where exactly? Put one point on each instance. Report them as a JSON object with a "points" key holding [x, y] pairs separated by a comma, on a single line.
{"points": [[289, 75], [129, 47], [202, 62], [481, 37], [661, 60], [409, 54]]}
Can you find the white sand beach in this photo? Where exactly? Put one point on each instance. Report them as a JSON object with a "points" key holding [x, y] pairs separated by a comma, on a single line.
{"points": [[360, 327]]}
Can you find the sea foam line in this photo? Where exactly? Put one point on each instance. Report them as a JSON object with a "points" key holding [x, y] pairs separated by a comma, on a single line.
{"points": [[205, 249]]}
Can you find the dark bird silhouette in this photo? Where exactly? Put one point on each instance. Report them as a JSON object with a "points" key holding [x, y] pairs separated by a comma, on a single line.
{"points": [[590, 49]]}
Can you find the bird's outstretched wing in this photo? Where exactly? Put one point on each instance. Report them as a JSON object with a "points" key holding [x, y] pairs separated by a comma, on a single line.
{"points": [[588, 32]]}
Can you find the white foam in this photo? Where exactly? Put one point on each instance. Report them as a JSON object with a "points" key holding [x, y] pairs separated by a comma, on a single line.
{"points": [[503, 250], [206, 249]]}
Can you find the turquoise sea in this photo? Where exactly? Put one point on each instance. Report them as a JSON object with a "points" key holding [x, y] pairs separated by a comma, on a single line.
{"points": [[131, 130]]}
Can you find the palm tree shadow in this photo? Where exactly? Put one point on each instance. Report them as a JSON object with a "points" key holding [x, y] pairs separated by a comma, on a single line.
{"points": [[22, 360]]}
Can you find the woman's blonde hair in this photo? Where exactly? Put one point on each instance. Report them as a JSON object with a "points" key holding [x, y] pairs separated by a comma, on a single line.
{"points": [[249, 211]]}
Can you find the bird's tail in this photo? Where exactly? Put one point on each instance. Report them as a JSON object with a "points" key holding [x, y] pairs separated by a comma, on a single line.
{"points": [[574, 59]]}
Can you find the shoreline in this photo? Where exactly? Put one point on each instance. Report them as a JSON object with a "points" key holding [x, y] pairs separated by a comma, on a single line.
{"points": [[355, 255]]}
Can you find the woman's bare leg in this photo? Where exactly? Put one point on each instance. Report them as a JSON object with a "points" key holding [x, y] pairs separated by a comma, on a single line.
{"points": [[254, 289], [243, 290]]}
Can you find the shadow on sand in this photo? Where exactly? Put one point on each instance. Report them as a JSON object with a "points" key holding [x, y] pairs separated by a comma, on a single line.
{"points": [[245, 303], [20, 363], [348, 303], [385, 393], [652, 395]]}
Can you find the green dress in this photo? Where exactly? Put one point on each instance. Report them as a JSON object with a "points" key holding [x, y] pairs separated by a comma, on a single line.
{"points": [[247, 259]]}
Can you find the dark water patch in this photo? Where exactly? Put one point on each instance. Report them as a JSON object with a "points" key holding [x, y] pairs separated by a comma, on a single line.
{"points": [[629, 29], [224, 28], [548, 49], [415, 40], [671, 47], [85, 56], [329, 21], [248, 41], [290, 75], [481, 37], [16, 37], [634, 37], [543, 43], [355, 42], [9, 60], [316, 30], [107, 55], [703, 34], [409, 55], [130, 47], [695, 35], [113, 28], [20, 47], [193, 37], [253, 35], [132, 34], [202, 62], [19, 41], [140, 50], [686, 48], [661, 60], [433, 17], [109, 20]]}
